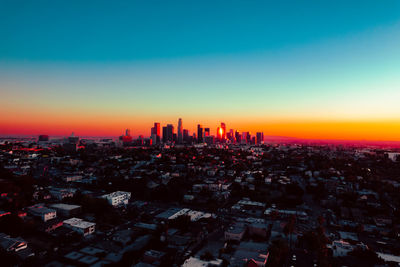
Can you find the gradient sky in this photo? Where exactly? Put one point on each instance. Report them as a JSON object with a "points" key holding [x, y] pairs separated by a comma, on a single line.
{"points": [[309, 69]]}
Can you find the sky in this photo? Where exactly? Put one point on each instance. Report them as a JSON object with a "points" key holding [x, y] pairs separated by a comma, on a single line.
{"points": [[306, 69]]}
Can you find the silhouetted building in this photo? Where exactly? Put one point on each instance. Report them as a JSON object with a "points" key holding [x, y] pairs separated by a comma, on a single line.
{"points": [[199, 133], [209, 139], [186, 136], [168, 133], [155, 133], [180, 131], [71, 143], [238, 137], [43, 138], [260, 137], [206, 132], [223, 126]]}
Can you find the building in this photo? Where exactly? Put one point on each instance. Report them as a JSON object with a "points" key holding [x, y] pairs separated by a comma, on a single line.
{"points": [[260, 138], [61, 193], [71, 143], [180, 131], [127, 138], [118, 198], [223, 127], [42, 212], [186, 136], [196, 262], [12, 244], [206, 132], [66, 210], [168, 133], [43, 138], [235, 232], [80, 226], [155, 131], [199, 133]]}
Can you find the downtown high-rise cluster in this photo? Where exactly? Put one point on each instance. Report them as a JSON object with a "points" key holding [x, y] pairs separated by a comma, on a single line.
{"points": [[167, 135]]}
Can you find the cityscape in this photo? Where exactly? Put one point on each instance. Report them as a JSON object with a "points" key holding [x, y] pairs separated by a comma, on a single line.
{"points": [[199, 133], [183, 136]]}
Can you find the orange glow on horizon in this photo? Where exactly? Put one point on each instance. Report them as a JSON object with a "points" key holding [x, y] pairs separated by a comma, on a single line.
{"points": [[107, 126]]}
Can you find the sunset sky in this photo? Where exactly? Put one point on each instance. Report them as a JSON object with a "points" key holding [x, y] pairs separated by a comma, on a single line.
{"points": [[307, 69]]}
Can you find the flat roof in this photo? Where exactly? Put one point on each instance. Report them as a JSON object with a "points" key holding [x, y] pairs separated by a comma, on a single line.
{"points": [[64, 206]]}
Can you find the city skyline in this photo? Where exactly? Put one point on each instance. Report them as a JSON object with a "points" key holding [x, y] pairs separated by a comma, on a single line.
{"points": [[311, 70]]}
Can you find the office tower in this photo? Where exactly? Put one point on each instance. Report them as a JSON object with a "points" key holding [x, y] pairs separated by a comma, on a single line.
{"points": [[180, 131], [164, 134], [231, 135], [186, 137], [199, 133], [237, 137], [127, 132], [153, 139], [253, 140], [223, 126], [219, 133], [170, 133], [260, 137], [206, 132], [246, 138], [156, 131]]}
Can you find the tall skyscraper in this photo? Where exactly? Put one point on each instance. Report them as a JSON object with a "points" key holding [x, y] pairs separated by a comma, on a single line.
{"points": [[170, 133], [223, 126], [155, 133], [260, 137], [127, 132], [164, 134], [219, 134], [180, 131], [199, 133]]}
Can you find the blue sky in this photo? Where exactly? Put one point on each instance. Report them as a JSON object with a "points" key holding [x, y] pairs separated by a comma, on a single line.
{"points": [[104, 31]]}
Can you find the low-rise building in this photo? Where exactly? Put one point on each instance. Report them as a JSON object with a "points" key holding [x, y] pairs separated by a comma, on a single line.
{"points": [[42, 212], [235, 232], [66, 210], [118, 198], [80, 226]]}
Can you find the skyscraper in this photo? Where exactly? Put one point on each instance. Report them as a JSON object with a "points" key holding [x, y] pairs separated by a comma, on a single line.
{"points": [[180, 133], [155, 133], [164, 134], [170, 133], [260, 137], [223, 126], [186, 137], [199, 133]]}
